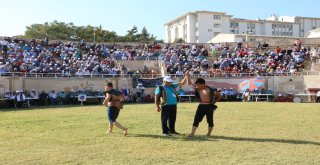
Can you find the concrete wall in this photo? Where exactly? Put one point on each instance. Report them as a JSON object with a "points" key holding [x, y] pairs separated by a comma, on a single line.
{"points": [[2, 86], [58, 84], [293, 84], [191, 28], [278, 84], [205, 23], [225, 24]]}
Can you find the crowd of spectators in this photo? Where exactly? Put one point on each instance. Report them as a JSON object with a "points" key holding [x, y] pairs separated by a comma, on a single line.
{"points": [[70, 59], [240, 60], [20, 98], [86, 59]]}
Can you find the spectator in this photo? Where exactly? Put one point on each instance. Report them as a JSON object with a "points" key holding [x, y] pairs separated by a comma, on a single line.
{"points": [[43, 98], [53, 97], [21, 101], [61, 97], [318, 97], [246, 95], [7, 94], [72, 96], [140, 92]]}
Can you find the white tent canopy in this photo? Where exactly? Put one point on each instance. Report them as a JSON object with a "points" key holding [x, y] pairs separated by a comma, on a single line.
{"points": [[313, 33]]}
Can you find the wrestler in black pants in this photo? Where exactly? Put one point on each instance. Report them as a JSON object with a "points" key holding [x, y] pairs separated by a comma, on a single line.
{"points": [[204, 110]]}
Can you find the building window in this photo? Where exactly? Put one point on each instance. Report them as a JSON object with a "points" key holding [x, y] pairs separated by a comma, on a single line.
{"points": [[251, 26], [274, 26], [217, 17], [216, 25], [209, 30]]}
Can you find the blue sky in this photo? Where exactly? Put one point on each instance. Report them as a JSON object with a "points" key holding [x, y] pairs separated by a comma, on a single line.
{"points": [[121, 15]]}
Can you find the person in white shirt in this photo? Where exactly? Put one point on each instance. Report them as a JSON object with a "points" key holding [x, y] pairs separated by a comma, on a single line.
{"points": [[318, 96], [53, 97], [246, 95], [20, 99], [8, 94]]}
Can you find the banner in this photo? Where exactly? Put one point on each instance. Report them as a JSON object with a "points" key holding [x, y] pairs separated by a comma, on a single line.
{"points": [[147, 82], [239, 84], [82, 97]]}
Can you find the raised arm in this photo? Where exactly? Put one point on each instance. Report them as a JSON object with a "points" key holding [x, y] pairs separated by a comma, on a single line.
{"points": [[184, 80], [189, 80]]}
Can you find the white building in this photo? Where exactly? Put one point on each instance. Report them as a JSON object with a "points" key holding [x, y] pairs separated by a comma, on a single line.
{"points": [[202, 26]]}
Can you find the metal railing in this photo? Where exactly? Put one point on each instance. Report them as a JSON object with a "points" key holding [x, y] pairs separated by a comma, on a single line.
{"points": [[211, 75]]}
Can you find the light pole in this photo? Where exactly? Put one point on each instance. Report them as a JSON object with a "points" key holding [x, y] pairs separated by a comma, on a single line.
{"points": [[94, 37]]}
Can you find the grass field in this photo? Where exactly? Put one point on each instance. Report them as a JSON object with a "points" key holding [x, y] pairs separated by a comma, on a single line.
{"points": [[245, 133]]}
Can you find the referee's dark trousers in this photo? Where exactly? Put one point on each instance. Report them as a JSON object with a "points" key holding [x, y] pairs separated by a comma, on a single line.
{"points": [[168, 116]]}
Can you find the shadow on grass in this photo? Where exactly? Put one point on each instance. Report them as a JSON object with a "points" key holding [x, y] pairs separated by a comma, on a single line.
{"points": [[265, 140], [184, 137], [181, 137]]}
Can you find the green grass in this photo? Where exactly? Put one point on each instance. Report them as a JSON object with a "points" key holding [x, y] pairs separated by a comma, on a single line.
{"points": [[244, 133]]}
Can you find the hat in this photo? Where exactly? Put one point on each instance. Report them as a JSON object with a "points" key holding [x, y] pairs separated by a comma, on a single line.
{"points": [[168, 79]]}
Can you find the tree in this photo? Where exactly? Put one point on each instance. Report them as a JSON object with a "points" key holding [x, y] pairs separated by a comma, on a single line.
{"points": [[179, 40], [68, 31], [35, 31], [145, 36], [131, 35]]}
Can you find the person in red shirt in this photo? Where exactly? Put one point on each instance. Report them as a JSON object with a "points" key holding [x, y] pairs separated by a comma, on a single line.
{"points": [[278, 50]]}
